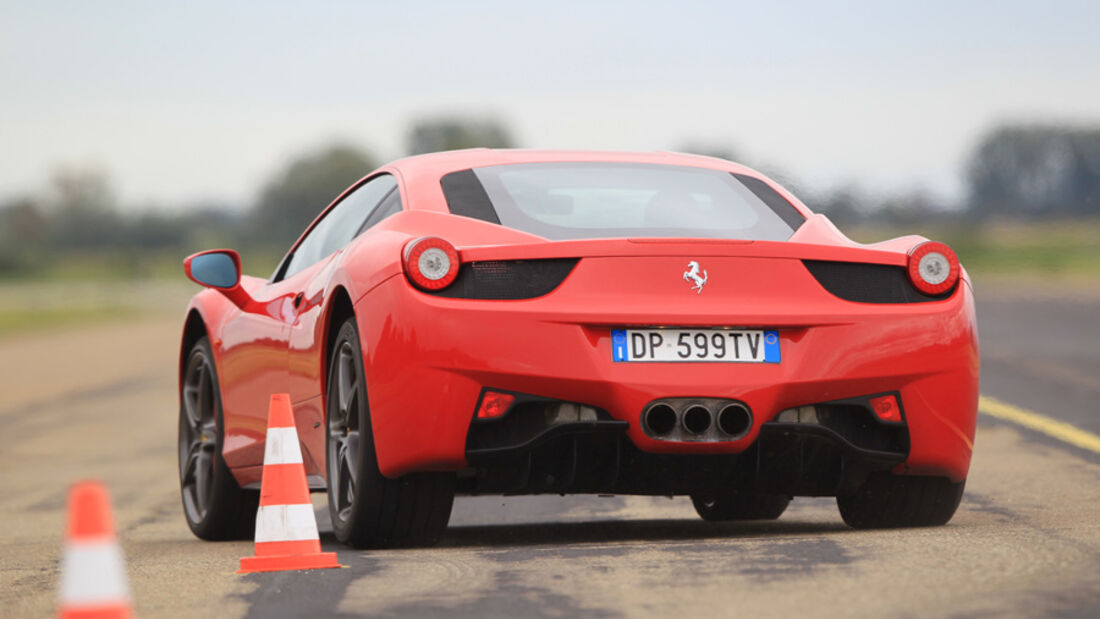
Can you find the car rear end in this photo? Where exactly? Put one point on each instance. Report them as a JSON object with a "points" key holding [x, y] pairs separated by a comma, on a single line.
{"points": [[765, 358]]}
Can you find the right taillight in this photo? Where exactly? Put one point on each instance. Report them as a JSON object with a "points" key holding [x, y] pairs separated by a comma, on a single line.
{"points": [[933, 268], [430, 263]]}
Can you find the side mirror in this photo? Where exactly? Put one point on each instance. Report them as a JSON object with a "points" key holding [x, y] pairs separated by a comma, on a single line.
{"points": [[219, 269]]}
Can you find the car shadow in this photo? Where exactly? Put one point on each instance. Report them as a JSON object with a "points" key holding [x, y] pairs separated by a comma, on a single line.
{"points": [[616, 531]]}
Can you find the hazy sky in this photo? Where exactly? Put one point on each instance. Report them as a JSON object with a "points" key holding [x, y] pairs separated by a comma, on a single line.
{"points": [[207, 99]]}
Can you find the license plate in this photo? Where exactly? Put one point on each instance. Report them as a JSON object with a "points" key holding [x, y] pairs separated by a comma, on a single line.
{"points": [[695, 345]]}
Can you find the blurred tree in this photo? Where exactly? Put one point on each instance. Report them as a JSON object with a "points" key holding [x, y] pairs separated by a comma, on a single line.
{"points": [[82, 208], [150, 229], [296, 195], [844, 206], [22, 222], [912, 208], [23, 227], [213, 224], [438, 134], [1035, 171]]}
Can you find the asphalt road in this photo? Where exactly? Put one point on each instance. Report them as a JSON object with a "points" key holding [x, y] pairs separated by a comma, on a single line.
{"points": [[1026, 541]]}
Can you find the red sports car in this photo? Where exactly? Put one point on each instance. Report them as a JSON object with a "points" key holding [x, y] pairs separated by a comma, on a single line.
{"points": [[522, 322]]}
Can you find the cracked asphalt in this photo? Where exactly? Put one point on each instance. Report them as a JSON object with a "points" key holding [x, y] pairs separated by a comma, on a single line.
{"points": [[100, 401]]}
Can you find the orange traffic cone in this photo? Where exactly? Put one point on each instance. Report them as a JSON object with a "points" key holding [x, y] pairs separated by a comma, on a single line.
{"points": [[93, 576], [286, 529]]}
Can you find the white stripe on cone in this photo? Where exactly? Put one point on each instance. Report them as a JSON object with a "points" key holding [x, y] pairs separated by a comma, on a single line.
{"points": [[282, 447], [92, 573], [285, 523]]}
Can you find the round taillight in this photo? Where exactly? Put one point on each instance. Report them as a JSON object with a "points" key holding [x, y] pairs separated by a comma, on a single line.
{"points": [[933, 267], [430, 263]]}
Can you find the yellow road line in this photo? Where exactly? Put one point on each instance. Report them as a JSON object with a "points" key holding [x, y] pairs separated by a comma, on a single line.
{"points": [[1040, 423]]}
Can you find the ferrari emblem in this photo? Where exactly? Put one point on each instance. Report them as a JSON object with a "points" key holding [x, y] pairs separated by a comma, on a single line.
{"points": [[692, 275]]}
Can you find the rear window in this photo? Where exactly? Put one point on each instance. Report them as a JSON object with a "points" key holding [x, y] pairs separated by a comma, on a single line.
{"points": [[560, 201]]}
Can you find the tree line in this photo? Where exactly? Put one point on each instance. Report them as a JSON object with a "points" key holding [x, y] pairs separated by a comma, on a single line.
{"points": [[1014, 171]]}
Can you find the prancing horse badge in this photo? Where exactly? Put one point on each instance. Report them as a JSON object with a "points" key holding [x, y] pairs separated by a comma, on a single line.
{"points": [[692, 275]]}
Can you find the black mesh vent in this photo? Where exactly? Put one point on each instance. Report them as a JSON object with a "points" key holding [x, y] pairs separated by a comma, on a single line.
{"points": [[868, 283], [509, 279]]}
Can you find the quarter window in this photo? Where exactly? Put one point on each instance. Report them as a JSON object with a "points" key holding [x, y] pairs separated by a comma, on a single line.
{"points": [[340, 224], [390, 206]]}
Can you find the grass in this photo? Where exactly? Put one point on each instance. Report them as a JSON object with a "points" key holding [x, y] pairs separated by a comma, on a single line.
{"points": [[93, 287], [43, 305], [27, 319]]}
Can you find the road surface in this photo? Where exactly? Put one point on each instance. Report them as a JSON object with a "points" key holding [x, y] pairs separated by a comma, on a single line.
{"points": [[100, 401]]}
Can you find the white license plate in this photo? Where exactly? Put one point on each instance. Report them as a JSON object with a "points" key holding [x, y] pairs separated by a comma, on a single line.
{"points": [[695, 345]]}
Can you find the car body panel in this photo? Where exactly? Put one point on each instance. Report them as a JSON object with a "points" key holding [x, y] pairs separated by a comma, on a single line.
{"points": [[427, 358]]}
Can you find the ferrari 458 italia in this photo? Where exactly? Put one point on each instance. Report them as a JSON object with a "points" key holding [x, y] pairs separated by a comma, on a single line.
{"points": [[526, 322]]}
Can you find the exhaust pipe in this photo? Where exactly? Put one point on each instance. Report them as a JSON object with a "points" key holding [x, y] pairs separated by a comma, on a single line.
{"points": [[735, 419], [660, 419], [696, 419]]}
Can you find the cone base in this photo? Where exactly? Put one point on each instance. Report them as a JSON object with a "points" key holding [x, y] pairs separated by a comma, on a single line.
{"points": [[288, 562], [104, 611]]}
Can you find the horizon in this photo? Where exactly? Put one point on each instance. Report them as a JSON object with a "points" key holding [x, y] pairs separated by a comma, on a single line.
{"points": [[831, 96]]}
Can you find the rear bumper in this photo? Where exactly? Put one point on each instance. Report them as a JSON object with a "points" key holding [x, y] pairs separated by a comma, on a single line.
{"points": [[428, 359]]}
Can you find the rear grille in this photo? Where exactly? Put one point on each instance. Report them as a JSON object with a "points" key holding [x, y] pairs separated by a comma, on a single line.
{"points": [[857, 424], [868, 283], [509, 279]]}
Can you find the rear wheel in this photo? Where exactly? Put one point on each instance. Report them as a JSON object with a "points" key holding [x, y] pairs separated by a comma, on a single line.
{"points": [[216, 508], [367, 508], [892, 501], [730, 505]]}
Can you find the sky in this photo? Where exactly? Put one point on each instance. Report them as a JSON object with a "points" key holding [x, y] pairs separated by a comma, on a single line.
{"points": [[204, 101]]}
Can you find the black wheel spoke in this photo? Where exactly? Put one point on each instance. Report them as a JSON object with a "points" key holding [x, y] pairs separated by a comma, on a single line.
{"points": [[337, 463], [351, 454], [191, 396], [346, 490], [204, 401], [347, 382], [203, 479], [188, 469]]}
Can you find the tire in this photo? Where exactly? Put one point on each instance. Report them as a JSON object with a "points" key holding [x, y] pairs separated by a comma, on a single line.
{"points": [[729, 505], [215, 507], [369, 510], [894, 501]]}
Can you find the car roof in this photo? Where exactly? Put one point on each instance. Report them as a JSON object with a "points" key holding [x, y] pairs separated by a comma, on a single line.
{"points": [[438, 164]]}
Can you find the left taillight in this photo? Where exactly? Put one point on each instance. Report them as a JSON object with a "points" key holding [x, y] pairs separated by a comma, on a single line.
{"points": [[933, 268], [430, 263]]}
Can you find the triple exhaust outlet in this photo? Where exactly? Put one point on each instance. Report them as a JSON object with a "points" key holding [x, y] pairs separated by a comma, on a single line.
{"points": [[697, 419]]}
